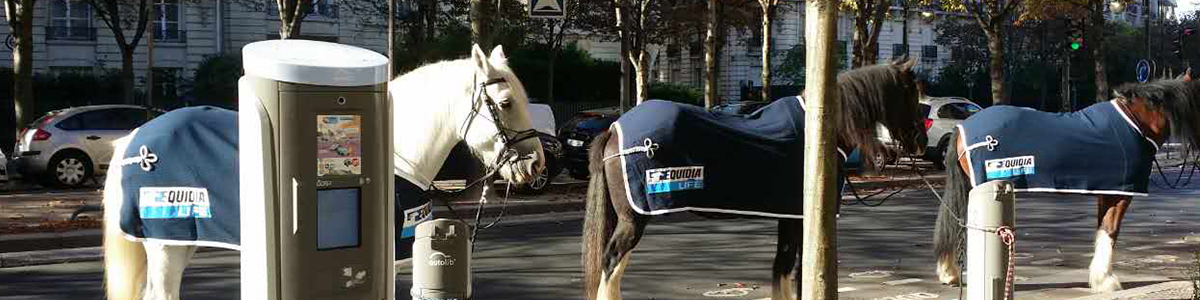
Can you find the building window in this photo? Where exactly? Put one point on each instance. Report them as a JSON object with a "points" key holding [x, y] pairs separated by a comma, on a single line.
{"points": [[167, 25], [898, 50], [71, 20], [929, 56], [842, 55]]}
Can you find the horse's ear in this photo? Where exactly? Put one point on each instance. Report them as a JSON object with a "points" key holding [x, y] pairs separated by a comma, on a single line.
{"points": [[905, 63], [1187, 75], [480, 59], [498, 56], [901, 60]]}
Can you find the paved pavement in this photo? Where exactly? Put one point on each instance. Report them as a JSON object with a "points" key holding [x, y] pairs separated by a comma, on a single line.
{"points": [[79, 245]]}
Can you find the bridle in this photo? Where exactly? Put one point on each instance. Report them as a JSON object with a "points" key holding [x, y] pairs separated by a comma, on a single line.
{"points": [[508, 136]]}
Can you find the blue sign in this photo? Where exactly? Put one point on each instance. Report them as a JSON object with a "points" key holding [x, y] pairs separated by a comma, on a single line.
{"points": [[1143, 70], [555, 9]]}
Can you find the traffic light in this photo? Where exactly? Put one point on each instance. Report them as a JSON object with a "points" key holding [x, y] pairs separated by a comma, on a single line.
{"points": [[1074, 35]]}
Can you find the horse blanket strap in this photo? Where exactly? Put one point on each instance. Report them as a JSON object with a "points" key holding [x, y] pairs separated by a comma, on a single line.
{"points": [[679, 157], [1096, 150], [179, 175]]}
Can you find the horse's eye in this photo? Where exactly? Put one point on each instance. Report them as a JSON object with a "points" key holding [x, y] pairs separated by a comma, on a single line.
{"points": [[505, 104]]}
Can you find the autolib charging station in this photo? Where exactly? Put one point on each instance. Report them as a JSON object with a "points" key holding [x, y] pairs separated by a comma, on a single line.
{"points": [[315, 139]]}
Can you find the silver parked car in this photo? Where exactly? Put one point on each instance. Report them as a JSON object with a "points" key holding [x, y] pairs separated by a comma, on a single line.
{"points": [[67, 147], [942, 114]]}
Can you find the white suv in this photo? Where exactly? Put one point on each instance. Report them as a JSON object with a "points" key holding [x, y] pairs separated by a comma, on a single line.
{"points": [[942, 114], [67, 147]]}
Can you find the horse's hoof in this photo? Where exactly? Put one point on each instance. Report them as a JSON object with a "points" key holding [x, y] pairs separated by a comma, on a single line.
{"points": [[947, 273], [1105, 284]]}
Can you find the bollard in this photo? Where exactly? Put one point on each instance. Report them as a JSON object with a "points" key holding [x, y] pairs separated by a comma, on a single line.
{"points": [[991, 206], [442, 261]]}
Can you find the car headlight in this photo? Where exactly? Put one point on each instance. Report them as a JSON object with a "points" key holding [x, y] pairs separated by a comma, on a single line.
{"points": [[574, 143]]}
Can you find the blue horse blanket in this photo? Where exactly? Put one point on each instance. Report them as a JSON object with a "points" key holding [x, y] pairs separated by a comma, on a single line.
{"points": [[1096, 150], [180, 180], [680, 157]]}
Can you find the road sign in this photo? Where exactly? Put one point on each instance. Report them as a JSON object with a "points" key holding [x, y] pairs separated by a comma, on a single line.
{"points": [[1143, 70], [550, 9]]}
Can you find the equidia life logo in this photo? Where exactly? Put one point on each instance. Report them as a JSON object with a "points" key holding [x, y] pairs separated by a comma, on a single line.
{"points": [[439, 259]]}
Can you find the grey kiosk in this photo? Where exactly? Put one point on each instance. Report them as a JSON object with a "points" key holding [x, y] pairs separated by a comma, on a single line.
{"points": [[316, 172]]}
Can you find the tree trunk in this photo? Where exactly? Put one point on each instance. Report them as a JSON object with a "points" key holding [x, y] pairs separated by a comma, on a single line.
{"points": [[819, 266], [996, 49], [1097, 47], [860, 40], [626, 69], [550, 75], [480, 25], [127, 74], [20, 21], [768, 21], [711, 56], [641, 68], [291, 14]]}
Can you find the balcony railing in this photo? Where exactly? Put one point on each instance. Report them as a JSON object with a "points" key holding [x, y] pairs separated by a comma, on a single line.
{"points": [[70, 33], [170, 36]]}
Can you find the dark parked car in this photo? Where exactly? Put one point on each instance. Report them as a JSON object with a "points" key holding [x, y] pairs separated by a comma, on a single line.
{"points": [[578, 132], [739, 107]]}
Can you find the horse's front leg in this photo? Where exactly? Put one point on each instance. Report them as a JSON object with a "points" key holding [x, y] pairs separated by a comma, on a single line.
{"points": [[1112, 210], [164, 270], [787, 250]]}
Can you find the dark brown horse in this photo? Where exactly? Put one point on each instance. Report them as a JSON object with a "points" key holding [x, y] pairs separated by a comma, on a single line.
{"points": [[1155, 110], [884, 94]]}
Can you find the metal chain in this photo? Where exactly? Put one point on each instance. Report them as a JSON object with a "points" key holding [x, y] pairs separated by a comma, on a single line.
{"points": [[1009, 238]]}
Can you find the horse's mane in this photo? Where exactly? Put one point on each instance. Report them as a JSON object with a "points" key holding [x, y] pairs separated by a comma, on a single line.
{"points": [[1177, 98], [864, 96]]}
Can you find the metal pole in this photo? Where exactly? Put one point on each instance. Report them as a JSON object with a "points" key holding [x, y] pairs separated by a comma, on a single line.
{"points": [[990, 216], [819, 267], [150, 57], [1146, 17], [391, 38]]}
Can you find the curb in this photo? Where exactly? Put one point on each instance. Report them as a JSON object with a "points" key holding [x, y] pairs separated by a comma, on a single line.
{"points": [[464, 209], [1125, 294]]}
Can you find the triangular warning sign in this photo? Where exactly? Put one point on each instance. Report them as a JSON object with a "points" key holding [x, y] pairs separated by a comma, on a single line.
{"points": [[547, 5]]}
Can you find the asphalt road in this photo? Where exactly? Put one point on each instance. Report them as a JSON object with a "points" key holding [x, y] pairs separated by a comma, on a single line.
{"points": [[884, 253]]}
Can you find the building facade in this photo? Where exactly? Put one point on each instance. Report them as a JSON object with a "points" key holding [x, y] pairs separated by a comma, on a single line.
{"points": [[68, 36]]}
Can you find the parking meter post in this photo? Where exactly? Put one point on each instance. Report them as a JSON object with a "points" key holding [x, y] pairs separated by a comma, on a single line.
{"points": [[991, 206], [315, 169]]}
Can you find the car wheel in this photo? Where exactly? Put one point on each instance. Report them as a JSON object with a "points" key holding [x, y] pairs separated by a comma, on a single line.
{"points": [[70, 169], [883, 158], [938, 157], [536, 186]]}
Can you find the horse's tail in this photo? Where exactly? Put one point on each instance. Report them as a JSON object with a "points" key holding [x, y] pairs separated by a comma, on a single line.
{"points": [[947, 231], [124, 260], [600, 219]]}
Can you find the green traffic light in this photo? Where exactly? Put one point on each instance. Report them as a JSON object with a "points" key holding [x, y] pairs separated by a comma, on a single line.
{"points": [[1075, 46]]}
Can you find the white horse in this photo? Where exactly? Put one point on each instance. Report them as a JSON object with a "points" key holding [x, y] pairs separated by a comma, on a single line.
{"points": [[436, 106]]}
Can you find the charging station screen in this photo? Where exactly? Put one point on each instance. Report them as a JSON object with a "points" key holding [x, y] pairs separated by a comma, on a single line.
{"points": [[337, 218]]}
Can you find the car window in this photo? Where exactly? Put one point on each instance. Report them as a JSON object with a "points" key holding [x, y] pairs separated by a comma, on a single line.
{"points": [[970, 108], [131, 118], [957, 111], [104, 119]]}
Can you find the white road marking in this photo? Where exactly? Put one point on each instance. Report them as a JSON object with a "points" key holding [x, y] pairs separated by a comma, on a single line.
{"points": [[1046, 261], [1142, 248], [902, 281], [871, 274], [846, 289]]}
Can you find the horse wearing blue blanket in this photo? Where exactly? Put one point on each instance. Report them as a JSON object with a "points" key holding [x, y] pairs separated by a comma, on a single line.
{"points": [[1105, 150], [663, 157]]}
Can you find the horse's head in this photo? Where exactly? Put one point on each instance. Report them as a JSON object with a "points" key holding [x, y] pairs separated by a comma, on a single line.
{"points": [[885, 94], [1164, 107], [500, 128]]}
